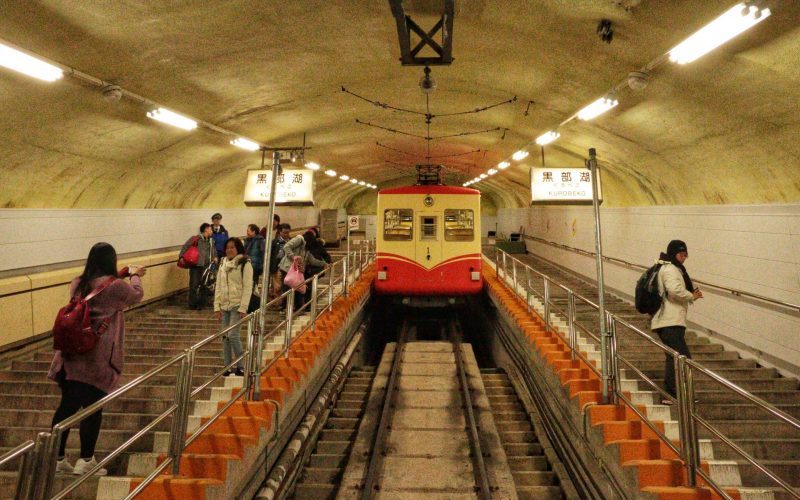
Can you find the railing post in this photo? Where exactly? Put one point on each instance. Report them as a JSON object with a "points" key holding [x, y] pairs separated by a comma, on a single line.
{"points": [[514, 274], [181, 415], [331, 281], [345, 271], [505, 266], [47, 443], [547, 304], [497, 261], [248, 360], [314, 286], [685, 421], [289, 317], [258, 355], [27, 463], [573, 341], [613, 376]]}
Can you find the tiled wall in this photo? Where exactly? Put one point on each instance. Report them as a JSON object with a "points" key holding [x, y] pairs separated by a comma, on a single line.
{"points": [[41, 236], [752, 248]]}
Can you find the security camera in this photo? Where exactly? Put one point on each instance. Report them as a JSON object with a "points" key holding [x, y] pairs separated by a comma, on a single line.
{"points": [[111, 93]]}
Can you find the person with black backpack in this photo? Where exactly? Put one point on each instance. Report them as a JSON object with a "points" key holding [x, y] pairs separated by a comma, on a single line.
{"points": [[86, 377], [677, 291]]}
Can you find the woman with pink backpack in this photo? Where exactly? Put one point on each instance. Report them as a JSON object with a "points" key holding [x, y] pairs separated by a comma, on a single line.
{"points": [[296, 257]]}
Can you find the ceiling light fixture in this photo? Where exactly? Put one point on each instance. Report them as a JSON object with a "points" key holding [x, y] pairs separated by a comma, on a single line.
{"points": [[330, 173], [354, 181], [247, 144], [503, 165], [29, 65], [597, 108], [312, 165], [547, 138], [171, 118], [362, 183], [344, 177], [520, 155], [483, 176], [736, 20], [492, 171]]}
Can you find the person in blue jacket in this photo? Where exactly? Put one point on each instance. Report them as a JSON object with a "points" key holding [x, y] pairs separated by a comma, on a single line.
{"points": [[219, 235]]}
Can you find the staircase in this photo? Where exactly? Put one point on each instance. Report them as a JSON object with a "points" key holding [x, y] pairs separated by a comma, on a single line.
{"points": [[154, 334], [322, 474], [532, 473], [772, 442]]}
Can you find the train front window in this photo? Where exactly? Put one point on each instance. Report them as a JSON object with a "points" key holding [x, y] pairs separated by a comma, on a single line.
{"points": [[398, 224], [459, 225], [428, 223]]}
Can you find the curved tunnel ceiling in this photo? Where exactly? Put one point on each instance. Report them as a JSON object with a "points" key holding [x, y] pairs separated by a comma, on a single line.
{"points": [[723, 129]]}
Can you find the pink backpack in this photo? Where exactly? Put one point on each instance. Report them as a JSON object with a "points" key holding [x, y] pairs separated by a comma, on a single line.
{"points": [[294, 278]]}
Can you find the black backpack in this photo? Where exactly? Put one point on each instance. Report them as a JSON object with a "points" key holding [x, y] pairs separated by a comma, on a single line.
{"points": [[648, 300]]}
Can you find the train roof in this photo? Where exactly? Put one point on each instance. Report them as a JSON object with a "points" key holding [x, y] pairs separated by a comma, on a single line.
{"points": [[430, 189]]}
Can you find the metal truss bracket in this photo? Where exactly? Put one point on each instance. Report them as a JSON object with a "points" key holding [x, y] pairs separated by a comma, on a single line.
{"points": [[406, 25]]}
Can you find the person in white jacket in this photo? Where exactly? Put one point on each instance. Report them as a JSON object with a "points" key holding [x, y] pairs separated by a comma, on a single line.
{"points": [[677, 292], [231, 298]]}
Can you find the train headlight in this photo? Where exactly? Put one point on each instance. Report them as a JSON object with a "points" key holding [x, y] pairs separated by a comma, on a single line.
{"points": [[381, 275], [475, 275]]}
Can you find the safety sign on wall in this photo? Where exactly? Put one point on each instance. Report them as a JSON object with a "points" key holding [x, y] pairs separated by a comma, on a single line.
{"points": [[352, 222], [293, 187]]}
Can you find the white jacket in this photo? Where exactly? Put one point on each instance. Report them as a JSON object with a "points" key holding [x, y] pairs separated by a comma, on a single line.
{"points": [[675, 297], [234, 285]]}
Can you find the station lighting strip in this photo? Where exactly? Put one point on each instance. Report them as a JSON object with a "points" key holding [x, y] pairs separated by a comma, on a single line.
{"points": [[24, 62], [734, 21]]}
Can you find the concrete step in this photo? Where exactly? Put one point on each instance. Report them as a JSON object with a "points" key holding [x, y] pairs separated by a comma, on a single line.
{"points": [[342, 423], [533, 478], [742, 411], [788, 470], [333, 447], [539, 493], [761, 448], [327, 461], [528, 463], [315, 491], [319, 475]]}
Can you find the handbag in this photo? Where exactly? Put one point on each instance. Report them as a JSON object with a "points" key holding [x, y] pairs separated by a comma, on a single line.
{"points": [[294, 278], [191, 256]]}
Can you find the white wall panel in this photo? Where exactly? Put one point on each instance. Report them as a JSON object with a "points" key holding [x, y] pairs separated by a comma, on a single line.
{"points": [[34, 237], [754, 248]]}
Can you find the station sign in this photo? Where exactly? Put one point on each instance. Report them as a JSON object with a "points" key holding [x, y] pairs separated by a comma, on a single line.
{"points": [[293, 187], [563, 186]]}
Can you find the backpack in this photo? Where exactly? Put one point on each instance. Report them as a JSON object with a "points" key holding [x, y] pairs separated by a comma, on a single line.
{"points": [[648, 300], [72, 330], [191, 256]]}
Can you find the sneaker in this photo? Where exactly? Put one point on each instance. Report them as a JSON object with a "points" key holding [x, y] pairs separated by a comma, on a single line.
{"points": [[239, 372], [83, 466], [63, 466], [667, 402]]}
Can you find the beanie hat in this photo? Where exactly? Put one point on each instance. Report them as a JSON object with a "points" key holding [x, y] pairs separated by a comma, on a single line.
{"points": [[675, 247]]}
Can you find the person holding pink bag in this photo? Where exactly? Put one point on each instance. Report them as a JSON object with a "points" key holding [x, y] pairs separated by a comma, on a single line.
{"points": [[296, 256]]}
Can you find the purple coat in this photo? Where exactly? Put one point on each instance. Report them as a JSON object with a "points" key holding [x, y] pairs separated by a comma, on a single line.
{"points": [[102, 366]]}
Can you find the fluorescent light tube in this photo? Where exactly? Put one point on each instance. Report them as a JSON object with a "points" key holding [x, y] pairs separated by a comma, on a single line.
{"points": [[312, 165], [483, 176], [170, 118], [597, 108], [720, 30], [330, 173], [520, 155], [547, 138], [503, 165], [344, 177], [492, 171], [362, 183], [354, 181], [29, 65], [243, 143]]}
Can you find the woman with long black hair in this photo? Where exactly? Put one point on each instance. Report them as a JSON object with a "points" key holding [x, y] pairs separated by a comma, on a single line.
{"points": [[86, 378]]}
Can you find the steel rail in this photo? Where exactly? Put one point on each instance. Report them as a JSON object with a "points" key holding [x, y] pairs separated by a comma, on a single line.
{"points": [[479, 464], [16, 452], [379, 442], [733, 291], [691, 365]]}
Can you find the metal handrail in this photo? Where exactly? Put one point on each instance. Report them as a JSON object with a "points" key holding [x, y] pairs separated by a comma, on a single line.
{"points": [[685, 368], [733, 291], [46, 446]]}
